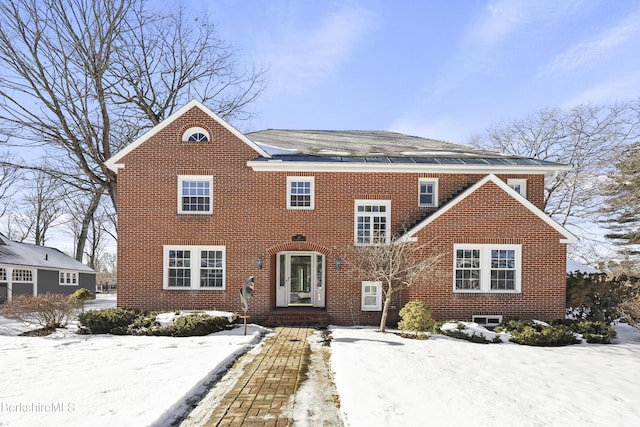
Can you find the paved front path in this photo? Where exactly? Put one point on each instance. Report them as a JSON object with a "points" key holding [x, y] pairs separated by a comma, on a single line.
{"points": [[263, 395]]}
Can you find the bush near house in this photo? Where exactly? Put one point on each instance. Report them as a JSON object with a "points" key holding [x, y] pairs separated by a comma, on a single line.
{"points": [[48, 311], [630, 311], [529, 332], [592, 332], [82, 295], [416, 317], [119, 321]]}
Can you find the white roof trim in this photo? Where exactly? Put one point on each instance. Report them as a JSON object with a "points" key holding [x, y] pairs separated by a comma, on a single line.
{"points": [[112, 163], [568, 236], [286, 166]]}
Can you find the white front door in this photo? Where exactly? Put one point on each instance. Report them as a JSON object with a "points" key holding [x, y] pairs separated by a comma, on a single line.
{"points": [[300, 279]]}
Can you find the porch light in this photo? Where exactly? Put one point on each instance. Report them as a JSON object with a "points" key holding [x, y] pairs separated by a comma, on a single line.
{"points": [[338, 263], [259, 262]]}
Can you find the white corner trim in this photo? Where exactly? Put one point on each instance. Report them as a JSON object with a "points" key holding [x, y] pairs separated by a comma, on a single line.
{"points": [[568, 236], [112, 162]]}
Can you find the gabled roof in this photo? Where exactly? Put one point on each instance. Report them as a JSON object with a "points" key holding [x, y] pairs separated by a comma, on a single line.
{"points": [[568, 236], [27, 254], [113, 164], [383, 150]]}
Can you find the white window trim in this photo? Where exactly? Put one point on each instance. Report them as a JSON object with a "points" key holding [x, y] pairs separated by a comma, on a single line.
{"points": [[70, 274], [195, 267], [14, 280], [512, 182], [203, 178], [387, 214], [485, 268], [187, 134], [487, 317], [433, 181], [378, 305], [292, 179]]}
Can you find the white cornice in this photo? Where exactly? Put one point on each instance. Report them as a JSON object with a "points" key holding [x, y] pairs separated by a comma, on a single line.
{"points": [[291, 166]]}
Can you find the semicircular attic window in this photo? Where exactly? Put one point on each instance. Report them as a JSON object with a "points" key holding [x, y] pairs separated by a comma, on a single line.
{"points": [[196, 134]]}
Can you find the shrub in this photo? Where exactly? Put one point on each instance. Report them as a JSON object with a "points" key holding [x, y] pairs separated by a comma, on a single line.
{"points": [[82, 295], [194, 324], [528, 332], [593, 332], [459, 333], [48, 311], [416, 317], [109, 320], [596, 297]]}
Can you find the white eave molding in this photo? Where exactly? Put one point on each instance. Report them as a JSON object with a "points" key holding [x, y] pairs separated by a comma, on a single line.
{"points": [[568, 236], [293, 166], [112, 163]]}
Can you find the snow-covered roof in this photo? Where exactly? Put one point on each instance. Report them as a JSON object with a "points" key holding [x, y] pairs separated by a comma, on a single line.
{"points": [[27, 254]]}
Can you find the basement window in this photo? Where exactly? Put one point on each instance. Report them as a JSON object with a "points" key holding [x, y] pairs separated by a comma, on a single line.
{"points": [[486, 320]]}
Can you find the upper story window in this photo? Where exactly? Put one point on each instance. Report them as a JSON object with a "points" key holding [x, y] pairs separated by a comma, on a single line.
{"points": [[428, 192], [20, 275], [372, 222], [68, 278], [487, 268], [300, 191], [195, 194], [520, 185], [194, 267], [196, 134]]}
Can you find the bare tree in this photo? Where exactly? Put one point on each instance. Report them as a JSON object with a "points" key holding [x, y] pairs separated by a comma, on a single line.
{"points": [[587, 137], [398, 265], [84, 78], [9, 182]]}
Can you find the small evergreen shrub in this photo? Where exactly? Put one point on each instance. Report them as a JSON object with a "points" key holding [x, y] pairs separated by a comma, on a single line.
{"points": [[194, 324], [528, 332], [460, 333], [593, 332], [416, 317], [109, 320], [81, 296]]}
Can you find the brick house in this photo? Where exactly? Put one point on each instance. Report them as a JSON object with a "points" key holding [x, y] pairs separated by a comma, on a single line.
{"points": [[201, 207]]}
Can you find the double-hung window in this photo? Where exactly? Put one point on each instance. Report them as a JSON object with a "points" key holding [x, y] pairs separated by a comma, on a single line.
{"points": [[520, 185], [487, 268], [195, 194], [194, 267], [68, 278], [371, 296], [428, 192], [372, 222], [300, 191]]}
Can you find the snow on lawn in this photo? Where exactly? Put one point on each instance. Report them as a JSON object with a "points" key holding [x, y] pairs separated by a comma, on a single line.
{"points": [[103, 380], [386, 380]]}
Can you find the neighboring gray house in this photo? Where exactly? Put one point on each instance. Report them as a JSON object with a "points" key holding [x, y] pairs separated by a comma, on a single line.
{"points": [[27, 269]]}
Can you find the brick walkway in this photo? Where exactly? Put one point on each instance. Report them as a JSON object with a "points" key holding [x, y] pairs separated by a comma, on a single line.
{"points": [[264, 393]]}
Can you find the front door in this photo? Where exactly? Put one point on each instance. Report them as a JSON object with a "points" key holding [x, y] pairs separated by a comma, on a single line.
{"points": [[300, 279]]}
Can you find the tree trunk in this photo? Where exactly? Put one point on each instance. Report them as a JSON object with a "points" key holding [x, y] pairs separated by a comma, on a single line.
{"points": [[86, 222], [385, 311]]}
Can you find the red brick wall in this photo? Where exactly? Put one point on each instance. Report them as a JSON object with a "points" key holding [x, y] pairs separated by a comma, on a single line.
{"points": [[250, 218]]}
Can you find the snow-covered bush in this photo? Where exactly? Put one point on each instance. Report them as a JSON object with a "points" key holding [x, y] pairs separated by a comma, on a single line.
{"points": [[416, 317], [48, 311], [530, 332], [108, 321], [593, 332], [468, 332], [193, 324]]}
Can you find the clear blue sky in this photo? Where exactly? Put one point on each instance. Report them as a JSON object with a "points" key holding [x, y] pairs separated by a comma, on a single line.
{"points": [[441, 69]]}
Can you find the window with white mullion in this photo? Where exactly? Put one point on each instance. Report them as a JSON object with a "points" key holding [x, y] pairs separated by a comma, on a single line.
{"points": [[195, 194], [300, 192], [428, 192], [372, 219], [487, 268], [194, 267]]}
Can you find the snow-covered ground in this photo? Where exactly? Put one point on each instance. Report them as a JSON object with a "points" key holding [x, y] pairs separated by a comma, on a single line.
{"points": [[382, 379]]}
